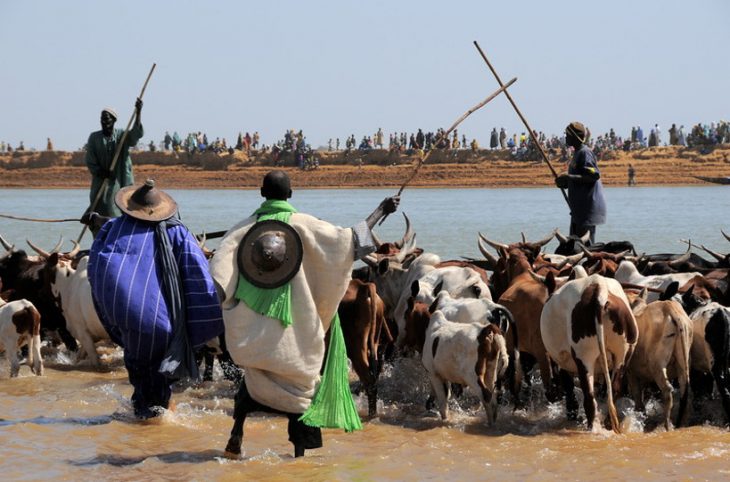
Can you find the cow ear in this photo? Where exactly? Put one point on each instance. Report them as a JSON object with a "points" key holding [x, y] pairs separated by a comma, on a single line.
{"points": [[434, 305], [670, 291], [415, 288], [437, 289], [383, 266], [476, 289], [550, 282]]}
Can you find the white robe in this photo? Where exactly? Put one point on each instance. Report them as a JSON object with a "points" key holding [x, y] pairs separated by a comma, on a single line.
{"points": [[282, 365]]}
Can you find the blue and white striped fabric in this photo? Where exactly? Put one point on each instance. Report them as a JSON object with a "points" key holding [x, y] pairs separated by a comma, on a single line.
{"points": [[126, 284]]}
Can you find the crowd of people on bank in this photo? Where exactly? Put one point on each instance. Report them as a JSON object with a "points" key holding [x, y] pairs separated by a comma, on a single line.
{"points": [[521, 146]]}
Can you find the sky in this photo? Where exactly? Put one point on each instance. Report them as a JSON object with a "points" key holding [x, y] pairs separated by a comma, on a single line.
{"points": [[335, 68]]}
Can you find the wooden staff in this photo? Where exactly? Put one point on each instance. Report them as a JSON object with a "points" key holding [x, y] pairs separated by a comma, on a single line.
{"points": [[524, 121], [422, 160], [117, 151]]}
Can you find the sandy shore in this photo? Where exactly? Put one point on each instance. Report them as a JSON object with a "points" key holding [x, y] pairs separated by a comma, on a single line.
{"points": [[656, 166]]}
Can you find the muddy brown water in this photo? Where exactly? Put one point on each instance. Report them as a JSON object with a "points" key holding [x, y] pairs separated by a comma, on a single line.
{"points": [[76, 423]]}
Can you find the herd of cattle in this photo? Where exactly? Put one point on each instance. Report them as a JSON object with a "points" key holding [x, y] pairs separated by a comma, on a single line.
{"points": [[642, 323]]}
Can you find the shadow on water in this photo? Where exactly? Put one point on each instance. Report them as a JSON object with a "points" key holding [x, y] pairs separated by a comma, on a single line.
{"points": [[87, 421], [168, 458]]}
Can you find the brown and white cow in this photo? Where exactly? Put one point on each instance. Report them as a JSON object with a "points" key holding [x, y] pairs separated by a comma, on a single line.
{"points": [[662, 352], [587, 326], [363, 324], [20, 324], [472, 354]]}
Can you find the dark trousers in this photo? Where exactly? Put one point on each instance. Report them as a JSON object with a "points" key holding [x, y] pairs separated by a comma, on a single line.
{"points": [[300, 434], [151, 388], [581, 229]]}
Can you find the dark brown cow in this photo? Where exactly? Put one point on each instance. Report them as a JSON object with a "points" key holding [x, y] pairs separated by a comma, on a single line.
{"points": [[362, 316]]}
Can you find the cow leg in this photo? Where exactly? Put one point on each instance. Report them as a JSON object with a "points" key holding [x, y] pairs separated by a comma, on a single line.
{"points": [[571, 403], [372, 393], [637, 392], [660, 378], [585, 375], [233, 447], [11, 349], [722, 379], [441, 390], [551, 392], [209, 362], [68, 339], [87, 343]]}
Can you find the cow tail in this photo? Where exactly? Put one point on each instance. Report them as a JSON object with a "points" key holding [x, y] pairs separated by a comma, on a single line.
{"points": [[34, 346], [602, 299], [374, 331]]}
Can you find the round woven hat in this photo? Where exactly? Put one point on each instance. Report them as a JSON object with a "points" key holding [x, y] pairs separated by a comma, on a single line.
{"points": [[146, 202], [270, 254]]}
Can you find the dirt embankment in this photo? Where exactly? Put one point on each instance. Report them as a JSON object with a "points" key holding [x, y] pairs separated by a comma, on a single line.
{"points": [[655, 166]]}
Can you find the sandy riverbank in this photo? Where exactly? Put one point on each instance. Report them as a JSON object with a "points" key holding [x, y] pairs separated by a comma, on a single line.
{"points": [[656, 166]]}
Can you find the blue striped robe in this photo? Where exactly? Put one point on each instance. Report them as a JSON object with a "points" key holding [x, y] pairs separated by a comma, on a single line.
{"points": [[127, 289]]}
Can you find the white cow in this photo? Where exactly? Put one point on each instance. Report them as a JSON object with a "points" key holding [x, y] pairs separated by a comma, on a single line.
{"points": [[472, 354], [20, 323], [584, 322], [72, 291], [627, 273]]}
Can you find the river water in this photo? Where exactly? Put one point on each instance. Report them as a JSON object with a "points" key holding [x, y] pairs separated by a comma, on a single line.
{"points": [[75, 422]]}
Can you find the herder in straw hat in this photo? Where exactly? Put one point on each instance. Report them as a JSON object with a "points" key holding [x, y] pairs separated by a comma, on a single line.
{"points": [[152, 292], [583, 181], [282, 274]]}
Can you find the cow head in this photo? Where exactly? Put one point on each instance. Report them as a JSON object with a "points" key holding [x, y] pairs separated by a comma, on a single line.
{"points": [[417, 318], [572, 244]]}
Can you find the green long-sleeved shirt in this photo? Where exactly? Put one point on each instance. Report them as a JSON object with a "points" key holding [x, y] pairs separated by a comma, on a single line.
{"points": [[99, 155]]}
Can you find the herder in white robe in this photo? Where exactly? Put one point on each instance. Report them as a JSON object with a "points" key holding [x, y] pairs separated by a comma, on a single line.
{"points": [[281, 276]]}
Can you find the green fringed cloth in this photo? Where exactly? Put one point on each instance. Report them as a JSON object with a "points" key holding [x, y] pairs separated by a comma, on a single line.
{"points": [[332, 406]]}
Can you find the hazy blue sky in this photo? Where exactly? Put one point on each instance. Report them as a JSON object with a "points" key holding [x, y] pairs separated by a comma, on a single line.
{"points": [[334, 68]]}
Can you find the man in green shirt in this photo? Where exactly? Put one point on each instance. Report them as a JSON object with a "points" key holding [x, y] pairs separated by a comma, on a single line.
{"points": [[100, 151]]}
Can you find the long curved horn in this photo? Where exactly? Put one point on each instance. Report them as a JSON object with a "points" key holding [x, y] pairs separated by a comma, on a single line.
{"points": [[560, 237], [714, 254], [726, 236], [406, 250], [58, 245], [370, 261], [574, 258], [493, 244], [75, 250], [41, 252], [376, 239], [202, 239], [524, 240], [587, 253], [585, 238], [684, 258], [546, 240], [408, 234], [6, 245], [487, 255]]}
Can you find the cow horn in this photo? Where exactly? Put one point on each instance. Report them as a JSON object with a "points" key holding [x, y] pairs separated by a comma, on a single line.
{"points": [[408, 234], [560, 237], [41, 252], [493, 244], [537, 277], [201, 240], [6, 245], [546, 240], [714, 254], [376, 239], [583, 248], [58, 245], [75, 251], [406, 249], [370, 261], [585, 238], [726, 236], [684, 258], [487, 255], [524, 240], [574, 258]]}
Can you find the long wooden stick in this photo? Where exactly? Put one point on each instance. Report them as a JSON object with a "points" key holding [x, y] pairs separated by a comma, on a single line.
{"points": [[524, 121], [445, 135], [38, 220], [118, 150]]}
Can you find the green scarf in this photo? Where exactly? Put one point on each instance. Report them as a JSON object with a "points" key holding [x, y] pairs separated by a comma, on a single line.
{"points": [[332, 406], [275, 302]]}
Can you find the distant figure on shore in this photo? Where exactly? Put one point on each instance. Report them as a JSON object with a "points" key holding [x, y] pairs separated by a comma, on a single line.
{"points": [[99, 155], [49, 144], [494, 139], [632, 175], [583, 181], [167, 140], [640, 136], [673, 135], [2, 146], [503, 138], [681, 138], [21, 147]]}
